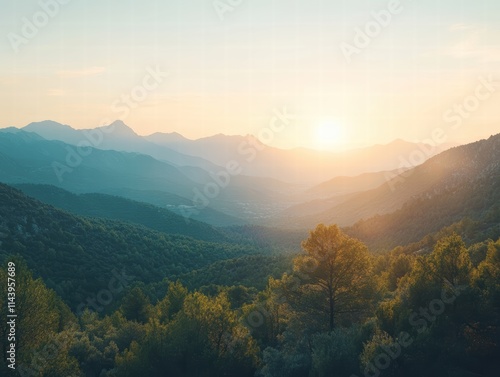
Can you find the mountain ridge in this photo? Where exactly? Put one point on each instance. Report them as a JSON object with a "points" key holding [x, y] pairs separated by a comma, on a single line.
{"points": [[257, 159], [469, 173]]}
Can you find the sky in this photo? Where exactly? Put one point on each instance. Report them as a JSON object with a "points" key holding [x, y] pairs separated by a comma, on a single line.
{"points": [[202, 67]]}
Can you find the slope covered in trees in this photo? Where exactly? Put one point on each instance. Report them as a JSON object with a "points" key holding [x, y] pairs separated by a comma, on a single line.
{"points": [[77, 256], [474, 167], [117, 208], [478, 200]]}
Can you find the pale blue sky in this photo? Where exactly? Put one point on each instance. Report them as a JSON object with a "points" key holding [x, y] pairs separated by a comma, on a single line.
{"points": [[228, 75]]}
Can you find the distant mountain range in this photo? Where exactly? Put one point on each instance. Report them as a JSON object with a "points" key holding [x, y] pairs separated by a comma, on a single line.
{"points": [[118, 137], [296, 165], [26, 157], [461, 182], [300, 166], [373, 193], [345, 185], [187, 176]]}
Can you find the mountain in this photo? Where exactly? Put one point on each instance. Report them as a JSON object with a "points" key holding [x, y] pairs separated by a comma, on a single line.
{"points": [[51, 130], [249, 194], [332, 193], [116, 136], [166, 138], [345, 185], [265, 195], [117, 208], [469, 187], [34, 160], [298, 165], [460, 182], [77, 256], [27, 158], [263, 171], [471, 210]]}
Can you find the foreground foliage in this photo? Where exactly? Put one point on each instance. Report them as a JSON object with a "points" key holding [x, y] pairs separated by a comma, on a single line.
{"points": [[435, 314]]}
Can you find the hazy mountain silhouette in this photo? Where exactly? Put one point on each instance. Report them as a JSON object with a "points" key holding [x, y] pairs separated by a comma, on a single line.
{"points": [[298, 165], [460, 167], [160, 170], [119, 137], [344, 185], [213, 153], [27, 158]]}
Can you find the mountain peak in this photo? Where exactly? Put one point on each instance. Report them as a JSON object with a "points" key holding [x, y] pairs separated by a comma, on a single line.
{"points": [[120, 128], [220, 137], [177, 135], [399, 142], [172, 136], [50, 130], [46, 125], [166, 138]]}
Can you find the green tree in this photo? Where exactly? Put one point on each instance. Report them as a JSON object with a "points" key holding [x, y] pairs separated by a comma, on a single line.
{"points": [[136, 306], [488, 276], [268, 315], [451, 261], [41, 315], [399, 266], [172, 303], [337, 266], [339, 350]]}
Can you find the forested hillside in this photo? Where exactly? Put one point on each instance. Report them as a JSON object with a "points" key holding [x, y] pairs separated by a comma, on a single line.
{"points": [[470, 170], [76, 256], [478, 201], [471, 190], [118, 208]]}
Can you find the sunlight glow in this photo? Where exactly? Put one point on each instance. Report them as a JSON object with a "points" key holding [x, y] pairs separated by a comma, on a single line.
{"points": [[330, 134]]}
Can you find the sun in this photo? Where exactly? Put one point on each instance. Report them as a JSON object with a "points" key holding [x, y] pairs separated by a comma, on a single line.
{"points": [[329, 134]]}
